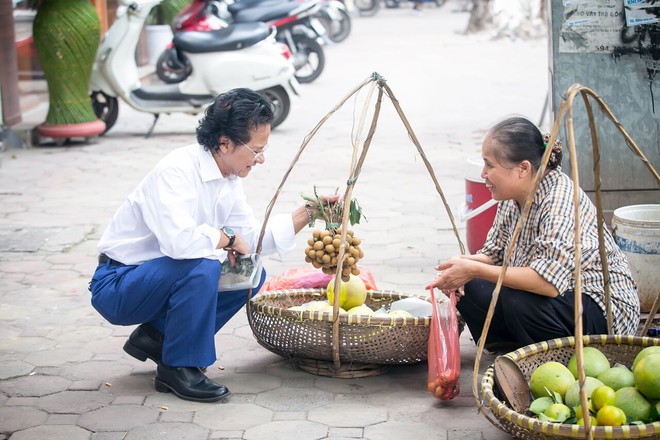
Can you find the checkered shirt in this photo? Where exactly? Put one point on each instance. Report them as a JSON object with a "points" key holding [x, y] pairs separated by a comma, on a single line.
{"points": [[546, 245]]}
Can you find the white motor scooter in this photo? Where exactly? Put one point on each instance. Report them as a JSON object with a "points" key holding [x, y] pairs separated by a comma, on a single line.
{"points": [[241, 55]]}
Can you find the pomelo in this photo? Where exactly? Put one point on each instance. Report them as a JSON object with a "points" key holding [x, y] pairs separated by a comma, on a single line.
{"points": [[361, 310], [617, 377], [595, 362], [633, 403], [352, 293], [572, 397], [654, 349], [328, 308], [551, 375], [647, 376]]}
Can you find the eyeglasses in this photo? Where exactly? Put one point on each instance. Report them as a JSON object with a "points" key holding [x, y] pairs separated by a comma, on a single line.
{"points": [[259, 155]]}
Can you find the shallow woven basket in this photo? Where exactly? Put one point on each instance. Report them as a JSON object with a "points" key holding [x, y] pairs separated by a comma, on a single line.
{"points": [[617, 348], [362, 339]]}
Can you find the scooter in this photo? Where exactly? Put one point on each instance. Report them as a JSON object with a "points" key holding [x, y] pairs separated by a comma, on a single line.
{"points": [[241, 55], [295, 22]]}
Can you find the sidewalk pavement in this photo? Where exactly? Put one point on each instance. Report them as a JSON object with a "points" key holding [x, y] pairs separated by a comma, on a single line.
{"points": [[63, 373]]}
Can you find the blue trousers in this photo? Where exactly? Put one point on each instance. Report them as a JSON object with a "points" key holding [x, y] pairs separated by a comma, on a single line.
{"points": [[179, 298]]}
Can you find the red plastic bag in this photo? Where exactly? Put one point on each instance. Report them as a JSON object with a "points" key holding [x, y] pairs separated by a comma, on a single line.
{"points": [[310, 278], [444, 356]]}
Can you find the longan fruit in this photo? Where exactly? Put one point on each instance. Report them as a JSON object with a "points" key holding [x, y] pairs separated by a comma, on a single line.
{"points": [[355, 271], [356, 241], [350, 261], [316, 264], [310, 242], [311, 253], [316, 233], [325, 233], [329, 248], [360, 252], [325, 258], [318, 246], [307, 259], [327, 239], [336, 243]]}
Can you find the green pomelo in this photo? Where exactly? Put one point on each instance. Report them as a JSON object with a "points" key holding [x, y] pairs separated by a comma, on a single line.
{"points": [[647, 376], [551, 375], [655, 349], [595, 363], [633, 403], [617, 377], [572, 398]]}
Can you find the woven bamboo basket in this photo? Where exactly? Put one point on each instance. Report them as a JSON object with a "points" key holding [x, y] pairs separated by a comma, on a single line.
{"points": [[618, 349], [307, 335]]}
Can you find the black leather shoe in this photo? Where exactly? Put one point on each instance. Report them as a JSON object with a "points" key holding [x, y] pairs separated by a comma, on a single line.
{"points": [[189, 383], [145, 342]]}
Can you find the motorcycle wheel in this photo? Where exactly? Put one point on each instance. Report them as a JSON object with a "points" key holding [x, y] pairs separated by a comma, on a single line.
{"points": [[173, 67], [367, 8], [106, 108], [309, 59], [337, 30], [281, 102]]}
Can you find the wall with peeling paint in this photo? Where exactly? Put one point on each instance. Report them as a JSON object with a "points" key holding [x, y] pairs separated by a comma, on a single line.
{"points": [[591, 45]]}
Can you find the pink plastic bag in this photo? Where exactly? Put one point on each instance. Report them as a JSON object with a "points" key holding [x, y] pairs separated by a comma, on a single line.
{"points": [[310, 278], [444, 356]]}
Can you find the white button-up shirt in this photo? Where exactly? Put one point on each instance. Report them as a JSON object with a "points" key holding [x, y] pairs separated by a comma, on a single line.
{"points": [[178, 209]]}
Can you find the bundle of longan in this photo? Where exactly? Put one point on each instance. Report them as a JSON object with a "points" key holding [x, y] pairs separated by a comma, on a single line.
{"points": [[323, 252]]}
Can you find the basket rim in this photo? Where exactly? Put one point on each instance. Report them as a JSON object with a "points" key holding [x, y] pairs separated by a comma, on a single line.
{"points": [[256, 307], [491, 402]]}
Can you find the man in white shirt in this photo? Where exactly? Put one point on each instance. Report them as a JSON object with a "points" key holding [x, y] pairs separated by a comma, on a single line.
{"points": [[159, 262]]}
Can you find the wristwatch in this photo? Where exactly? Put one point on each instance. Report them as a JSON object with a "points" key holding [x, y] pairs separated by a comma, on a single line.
{"points": [[229, 232]]}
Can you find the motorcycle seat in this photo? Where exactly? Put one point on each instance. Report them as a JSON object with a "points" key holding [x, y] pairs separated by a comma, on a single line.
{"points": [[161, 93], [242, 5], [266, 13], [235, 37]]}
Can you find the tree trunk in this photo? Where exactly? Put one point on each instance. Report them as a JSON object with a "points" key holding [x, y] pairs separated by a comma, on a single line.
{"points": [[480, 16]]}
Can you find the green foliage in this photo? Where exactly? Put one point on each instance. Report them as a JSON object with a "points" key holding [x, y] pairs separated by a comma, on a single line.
{"points": [[165, 12]]}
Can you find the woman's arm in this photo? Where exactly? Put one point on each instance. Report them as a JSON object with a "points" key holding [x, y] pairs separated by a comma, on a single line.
{"points": [[457, 271]]}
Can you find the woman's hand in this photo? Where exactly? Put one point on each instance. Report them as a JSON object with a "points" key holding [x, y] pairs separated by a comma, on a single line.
{"points": [[453, 274]]}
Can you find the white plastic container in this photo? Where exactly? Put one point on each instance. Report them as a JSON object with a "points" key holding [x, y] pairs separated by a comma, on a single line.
{"points": [[415, 306], [636, 231]]}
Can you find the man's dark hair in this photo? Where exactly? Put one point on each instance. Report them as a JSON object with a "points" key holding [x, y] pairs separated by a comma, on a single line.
{"points": [[233, 114]]}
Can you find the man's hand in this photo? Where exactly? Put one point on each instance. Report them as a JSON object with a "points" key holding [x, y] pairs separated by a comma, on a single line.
{"points": [[240, 247]]}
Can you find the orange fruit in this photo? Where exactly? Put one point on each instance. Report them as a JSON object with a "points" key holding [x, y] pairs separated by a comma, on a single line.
{"points": [[610, 416], [603, 395], [594, 422]]}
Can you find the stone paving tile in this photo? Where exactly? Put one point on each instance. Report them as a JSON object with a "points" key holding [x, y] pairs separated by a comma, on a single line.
{"points": [[53, 432], [21, 401], [58, 356], [36, 385], [76, 402], [390, 430], [108, 436], [289, 415], [10, 369], [348, 416], [226, 435], [232, 417], [128, 400], [249, 382], [346, 432], [16, 418], [62, 419], [300, 430], [117, 418], [85, 385], [176, 416], [293, 399], [167, 431]]}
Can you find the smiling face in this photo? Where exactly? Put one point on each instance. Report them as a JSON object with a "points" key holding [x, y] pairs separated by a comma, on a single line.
{"points": [[237, 158], [505, 181]]}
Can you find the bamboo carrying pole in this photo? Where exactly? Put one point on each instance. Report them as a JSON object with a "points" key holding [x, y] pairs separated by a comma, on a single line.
{"points": [[565, 111], [355, 168]]}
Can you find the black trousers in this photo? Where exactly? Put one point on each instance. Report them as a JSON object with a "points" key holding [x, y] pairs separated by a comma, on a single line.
{"points": [[523, 318]]}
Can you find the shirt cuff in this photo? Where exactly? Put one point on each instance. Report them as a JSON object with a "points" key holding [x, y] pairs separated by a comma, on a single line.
{"points": [[281, 228], [554, 273], [212, 233]]}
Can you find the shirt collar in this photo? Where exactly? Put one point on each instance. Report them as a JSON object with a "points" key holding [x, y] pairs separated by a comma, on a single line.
{"points": [[208, 168], [548, 181]]}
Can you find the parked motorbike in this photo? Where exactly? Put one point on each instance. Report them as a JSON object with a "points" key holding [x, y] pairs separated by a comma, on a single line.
{"points": [[297, 27], [241, 55], [335, 19]]}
